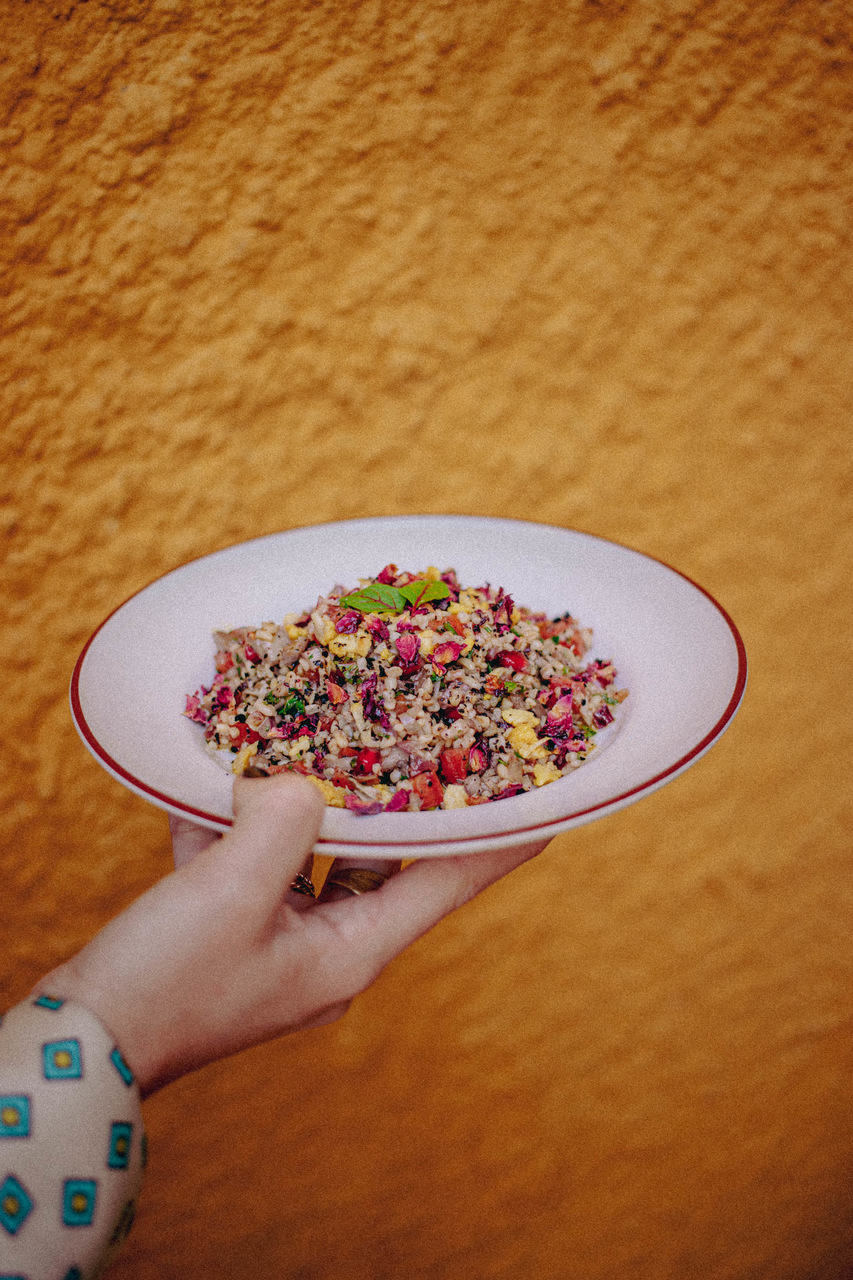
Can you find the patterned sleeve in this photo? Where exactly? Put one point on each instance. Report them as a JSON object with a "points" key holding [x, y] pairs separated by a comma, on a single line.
{"points": [[72, 1147]]}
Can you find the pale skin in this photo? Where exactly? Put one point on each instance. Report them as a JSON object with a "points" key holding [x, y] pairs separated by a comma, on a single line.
{"points": [[221, 954]]}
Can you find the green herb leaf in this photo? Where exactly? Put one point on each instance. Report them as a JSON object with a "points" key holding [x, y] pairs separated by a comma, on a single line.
{"points": [[294, 705], [378, 597], [424, 590]]}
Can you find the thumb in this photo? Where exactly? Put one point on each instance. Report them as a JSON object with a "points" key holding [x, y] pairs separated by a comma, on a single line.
{"points": [[276, 824]]}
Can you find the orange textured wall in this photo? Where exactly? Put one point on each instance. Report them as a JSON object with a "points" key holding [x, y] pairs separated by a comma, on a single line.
{"points": [[267, 264]]}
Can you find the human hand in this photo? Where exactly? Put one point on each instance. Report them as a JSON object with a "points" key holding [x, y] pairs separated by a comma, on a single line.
{"points": [[221, 954]]}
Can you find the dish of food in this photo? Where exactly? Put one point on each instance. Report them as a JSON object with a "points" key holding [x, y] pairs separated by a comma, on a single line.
{"points": [[408, 693], [676, 651]]}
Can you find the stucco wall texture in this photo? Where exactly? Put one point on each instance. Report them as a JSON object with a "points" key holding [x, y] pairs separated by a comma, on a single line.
{"points": [[268, 264]]}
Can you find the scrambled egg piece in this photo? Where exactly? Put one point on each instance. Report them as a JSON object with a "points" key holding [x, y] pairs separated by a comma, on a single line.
{"points": [[524, 741], [455, 797], [298, 746], [470, 599], [517, 715], [243, 756], [429, 639], [546, 772], [349, 646], [335, 796], [522, 737]]}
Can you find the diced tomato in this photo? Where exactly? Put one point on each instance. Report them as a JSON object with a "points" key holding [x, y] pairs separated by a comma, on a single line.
{"points": [[513, 659], [224, 661], [251, 655], [427, 786], [337, 695], [451, 620], [367, 760], [454, 764], [244, 734]]}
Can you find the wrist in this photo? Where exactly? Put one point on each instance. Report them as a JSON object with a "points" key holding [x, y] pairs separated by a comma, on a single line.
{"points": [[70, 983]]}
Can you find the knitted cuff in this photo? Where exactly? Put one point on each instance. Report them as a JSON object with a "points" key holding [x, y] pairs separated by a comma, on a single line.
{"points": [[72, 1146]]}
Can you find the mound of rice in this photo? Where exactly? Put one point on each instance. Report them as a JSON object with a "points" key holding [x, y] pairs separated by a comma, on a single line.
{"points": [[409, 692]]}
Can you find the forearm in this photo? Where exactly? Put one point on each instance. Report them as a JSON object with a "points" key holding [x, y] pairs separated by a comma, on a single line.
{"points": [[71, 1141]]}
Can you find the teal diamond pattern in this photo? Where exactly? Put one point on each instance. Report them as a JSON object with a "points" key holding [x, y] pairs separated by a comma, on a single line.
{"points": [[121, 1067], [15, 1205], [62, 1060], [78, 1202], [121, 1135], [48, 1002], [14, 1116]]}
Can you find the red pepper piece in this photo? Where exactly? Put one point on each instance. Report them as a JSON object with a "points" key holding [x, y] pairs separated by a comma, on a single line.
{"points": [[251, 655], [224, 661], [427, 786], [454, 764], [513, 659]]}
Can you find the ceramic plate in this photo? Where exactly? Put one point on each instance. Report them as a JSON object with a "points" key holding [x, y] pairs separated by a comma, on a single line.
{"points": [[675, 649]]}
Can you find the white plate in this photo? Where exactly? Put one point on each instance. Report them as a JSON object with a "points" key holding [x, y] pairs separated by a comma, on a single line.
{"points": [[675, 649]]}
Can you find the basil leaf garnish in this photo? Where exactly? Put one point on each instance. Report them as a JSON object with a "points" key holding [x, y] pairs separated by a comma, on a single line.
{"points": [[378, 597], [424, 590]]}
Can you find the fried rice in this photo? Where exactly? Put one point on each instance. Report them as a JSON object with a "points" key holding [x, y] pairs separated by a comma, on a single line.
{"points": [[409, 692]]}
